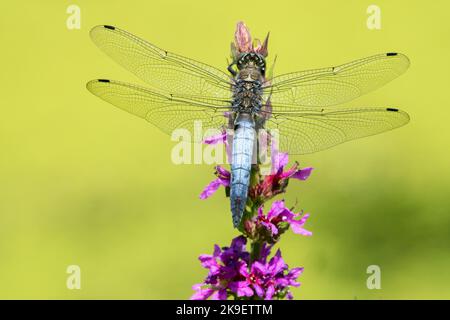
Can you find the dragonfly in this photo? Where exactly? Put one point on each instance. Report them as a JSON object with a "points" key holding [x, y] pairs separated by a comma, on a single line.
{"points": [[304, 107]]}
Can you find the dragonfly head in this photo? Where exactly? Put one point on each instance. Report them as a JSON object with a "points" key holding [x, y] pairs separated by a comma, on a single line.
{"points": [[251, 60]]}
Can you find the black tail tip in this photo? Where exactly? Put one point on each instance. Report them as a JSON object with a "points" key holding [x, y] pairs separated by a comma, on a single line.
{"points": [[103, 80], [109, 27], [389, 54]]}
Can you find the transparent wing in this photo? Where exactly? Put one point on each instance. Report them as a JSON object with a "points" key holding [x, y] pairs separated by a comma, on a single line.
{"points": [[315, 129], [160, 68], [167, 112], [335, 85]]}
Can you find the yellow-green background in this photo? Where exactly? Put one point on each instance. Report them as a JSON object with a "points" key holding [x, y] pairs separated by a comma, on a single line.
{"points": [[84, 183]]}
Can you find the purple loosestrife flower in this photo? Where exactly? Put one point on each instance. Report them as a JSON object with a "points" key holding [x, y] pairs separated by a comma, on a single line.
{"points": [[223, 266], [277, 182], [229, 274], [269, 279], [279, 218], [223, 179]]}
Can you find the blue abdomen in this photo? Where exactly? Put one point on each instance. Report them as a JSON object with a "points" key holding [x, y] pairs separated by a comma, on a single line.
{"points": [[241, 164]]}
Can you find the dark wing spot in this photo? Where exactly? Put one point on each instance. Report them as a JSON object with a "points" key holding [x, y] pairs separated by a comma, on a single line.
{"points": [[109, 27], [391, 54], [392, 109], [103, 80]]}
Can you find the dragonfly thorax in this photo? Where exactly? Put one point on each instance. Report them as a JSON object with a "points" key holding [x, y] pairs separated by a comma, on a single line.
{"points": [[247, 93]]}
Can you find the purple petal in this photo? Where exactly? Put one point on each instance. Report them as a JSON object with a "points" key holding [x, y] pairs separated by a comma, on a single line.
{"points": [[259, 267], [276, 264], [212, 188], [214, 271], [241, 288], [222, 295], [276, 209], [265, 251], [217, 250], [245, 256], [236, 251], [219, 138], [225, 182], [239, 243], [219, 295], [247, 291], [205, 257], [228, 272], [279, 161], [286, 215], [228, 255], [227, 114], [282, 282], [297, 226], [259, 291], [271, 227], [292, 276], [223, 173], [293, 283], [243, 270], [302, 174], [260, 211], [197, 286], [202, 294], [294, 273], [269, 292], [303, 219], [283, 159], [207, 261]]}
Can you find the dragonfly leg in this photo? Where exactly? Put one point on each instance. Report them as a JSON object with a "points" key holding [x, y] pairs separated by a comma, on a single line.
{"points": [[231, 70]]}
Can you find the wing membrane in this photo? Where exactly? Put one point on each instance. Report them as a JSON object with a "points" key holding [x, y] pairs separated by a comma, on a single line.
{"points": [[314, 129], [302, 102], [161, 69], [167, 112], [335, 85]]}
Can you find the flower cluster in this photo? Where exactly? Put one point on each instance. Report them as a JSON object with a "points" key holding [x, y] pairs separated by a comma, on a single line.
{"points": [[231, 275], [232, 272], [269, 186]]}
